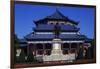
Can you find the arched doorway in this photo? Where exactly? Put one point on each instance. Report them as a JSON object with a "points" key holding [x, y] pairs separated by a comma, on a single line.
{"points": [[47, 49], [39, 49], [65, 48], [73, 48]]}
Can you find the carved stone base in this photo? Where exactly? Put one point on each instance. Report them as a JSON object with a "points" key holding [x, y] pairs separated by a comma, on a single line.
{"points": [[56, 53]]}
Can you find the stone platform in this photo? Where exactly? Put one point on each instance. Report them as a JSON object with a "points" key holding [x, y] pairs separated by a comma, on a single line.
{"points": [[56, 54]]}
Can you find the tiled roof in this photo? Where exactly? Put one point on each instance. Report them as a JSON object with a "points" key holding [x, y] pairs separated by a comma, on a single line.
{"points": [[57, 15], [22, 45], [39, 36], [51, 36], [72, 36], [51, 27], [68, 27], [23, 41], [45, 26], [88, 40]]}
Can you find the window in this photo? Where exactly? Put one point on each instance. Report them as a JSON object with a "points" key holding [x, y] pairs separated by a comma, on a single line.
{"points": [[72, 51], [47, 52], [40, 52], [48, 46], [39, 46], [74, 45], [65, 46], [65, 52]]}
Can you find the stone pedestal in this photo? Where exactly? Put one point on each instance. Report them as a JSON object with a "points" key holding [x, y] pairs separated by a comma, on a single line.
{"points": [[56, 47], [56, 53]]}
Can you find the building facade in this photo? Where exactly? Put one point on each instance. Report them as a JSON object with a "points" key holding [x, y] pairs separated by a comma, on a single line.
{"points": [[56, 38]]}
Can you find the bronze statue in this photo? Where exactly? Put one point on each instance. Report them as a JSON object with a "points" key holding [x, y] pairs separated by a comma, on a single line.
{"points": [[57, 30]]}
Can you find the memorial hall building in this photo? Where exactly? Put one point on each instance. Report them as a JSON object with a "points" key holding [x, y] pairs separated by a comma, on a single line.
{"points": [[56, 38]]}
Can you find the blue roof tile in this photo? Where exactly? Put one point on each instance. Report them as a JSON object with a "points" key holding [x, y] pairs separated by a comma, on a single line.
{"points": [[68, 27], [45, 26], [39, 36], [23, 45], [22, 40], [51, 27], [88, 40], [57, 15], [72, 36], [51, 36]]}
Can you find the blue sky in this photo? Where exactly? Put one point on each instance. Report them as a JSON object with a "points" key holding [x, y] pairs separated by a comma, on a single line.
{"points": [[26, 13]]}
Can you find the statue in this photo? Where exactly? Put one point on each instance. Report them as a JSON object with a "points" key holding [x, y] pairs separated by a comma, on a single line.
{"points": [[57, 30]]}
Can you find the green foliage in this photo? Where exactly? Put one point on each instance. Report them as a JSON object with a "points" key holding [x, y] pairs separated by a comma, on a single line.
{"points": [[80, 54], [90, 51], [16, 46], [21, 58], [16, 41], [30, 57]]}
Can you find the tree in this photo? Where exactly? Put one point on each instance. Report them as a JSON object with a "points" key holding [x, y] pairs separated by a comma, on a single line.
{"points": [[90, 51], [30, 57], [80, 54], [16, 41], [21, 58], [16, 46]]}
